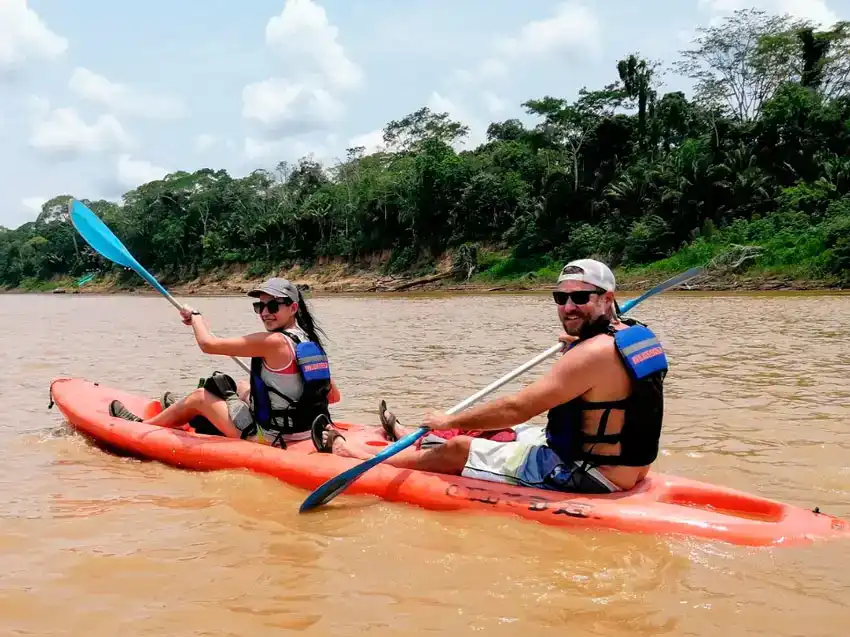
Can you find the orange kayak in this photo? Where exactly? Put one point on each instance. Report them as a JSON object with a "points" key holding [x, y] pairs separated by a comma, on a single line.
{"points": [[661, 504]]}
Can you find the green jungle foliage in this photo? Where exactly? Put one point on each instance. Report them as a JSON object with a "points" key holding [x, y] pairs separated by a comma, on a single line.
{"points": [[759, 156]]}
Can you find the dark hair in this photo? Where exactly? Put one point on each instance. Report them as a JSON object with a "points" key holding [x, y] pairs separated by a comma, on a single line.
{"points": [[305, 320]]}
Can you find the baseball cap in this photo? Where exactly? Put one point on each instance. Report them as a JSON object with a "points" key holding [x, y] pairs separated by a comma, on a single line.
{"points": [[276, 287], [589, 271]]}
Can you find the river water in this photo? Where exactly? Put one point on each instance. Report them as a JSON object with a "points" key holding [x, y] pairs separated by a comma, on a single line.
{"points": [[90, 544]]}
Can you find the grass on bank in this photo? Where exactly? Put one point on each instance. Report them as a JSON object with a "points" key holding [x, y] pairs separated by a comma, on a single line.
{"points": [[792, 245]]}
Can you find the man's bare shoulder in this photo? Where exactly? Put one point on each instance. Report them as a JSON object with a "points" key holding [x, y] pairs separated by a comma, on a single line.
{"points": [[599, 349], [594, 346]]}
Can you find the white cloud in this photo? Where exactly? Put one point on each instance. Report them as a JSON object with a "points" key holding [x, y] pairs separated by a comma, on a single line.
{"points": [[815, 10], [373, 141], [305, 99], [288, 108], [291, 149], [35, 203], [135, 172], [477, 130], [123, 98], [493, 102], [24, 35], [204, 141], [303, 35], [260, 149], [62, 132], [572, 28]]}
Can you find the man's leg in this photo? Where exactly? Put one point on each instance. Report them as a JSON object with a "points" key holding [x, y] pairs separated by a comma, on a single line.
{"points": [[447, 458], [528, 463]]}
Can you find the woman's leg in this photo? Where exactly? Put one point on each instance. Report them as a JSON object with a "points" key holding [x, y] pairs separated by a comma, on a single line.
{"points": [[198, 403]]}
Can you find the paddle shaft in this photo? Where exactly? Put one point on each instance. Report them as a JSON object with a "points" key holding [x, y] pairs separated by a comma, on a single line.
{"points": [[506, 379], [174, 302]]}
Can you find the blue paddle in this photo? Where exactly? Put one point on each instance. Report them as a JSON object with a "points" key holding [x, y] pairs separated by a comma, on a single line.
{"points": [[336, 485], [98, 235]]}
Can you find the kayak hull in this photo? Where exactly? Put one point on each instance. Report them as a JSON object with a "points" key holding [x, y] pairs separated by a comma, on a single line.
{"points": [[661, 504]]}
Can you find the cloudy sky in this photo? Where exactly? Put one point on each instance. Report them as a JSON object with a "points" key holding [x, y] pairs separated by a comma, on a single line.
{"points": [[97, 96]]}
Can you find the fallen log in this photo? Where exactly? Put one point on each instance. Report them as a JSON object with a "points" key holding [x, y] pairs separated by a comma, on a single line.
{"points": [[422, 281]]}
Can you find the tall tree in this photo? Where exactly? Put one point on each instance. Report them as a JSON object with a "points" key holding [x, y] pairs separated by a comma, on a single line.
{"points": [[740, 63]]}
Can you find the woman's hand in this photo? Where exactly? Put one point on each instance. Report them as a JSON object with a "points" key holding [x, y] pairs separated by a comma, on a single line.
{"points": [[186, 314]]}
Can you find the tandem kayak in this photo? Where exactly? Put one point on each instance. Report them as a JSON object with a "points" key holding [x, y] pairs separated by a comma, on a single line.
{"points": [[661, 504]]}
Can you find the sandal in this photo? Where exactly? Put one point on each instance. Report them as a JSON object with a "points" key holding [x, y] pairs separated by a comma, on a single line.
{"points": [[316, 431], [388, 421]]}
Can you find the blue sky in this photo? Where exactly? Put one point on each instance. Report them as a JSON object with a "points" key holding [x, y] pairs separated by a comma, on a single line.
{"points": [[98, 97]]}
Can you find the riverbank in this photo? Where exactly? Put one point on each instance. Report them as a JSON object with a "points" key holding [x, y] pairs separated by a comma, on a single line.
{"points": [[339, 278]]}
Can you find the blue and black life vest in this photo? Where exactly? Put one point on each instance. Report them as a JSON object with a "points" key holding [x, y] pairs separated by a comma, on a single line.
{"points": [[643, 357], [299, 416]]}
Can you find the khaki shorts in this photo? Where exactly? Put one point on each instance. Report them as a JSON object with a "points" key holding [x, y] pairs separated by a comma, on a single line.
{"points": [[242, 417]]}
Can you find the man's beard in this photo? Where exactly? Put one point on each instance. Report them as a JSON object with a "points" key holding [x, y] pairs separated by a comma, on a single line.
{"points": [[590, 328]]}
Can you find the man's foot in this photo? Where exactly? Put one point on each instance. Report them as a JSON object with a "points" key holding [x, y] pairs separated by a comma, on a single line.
{"points": [[389, 423], [118, 410]]}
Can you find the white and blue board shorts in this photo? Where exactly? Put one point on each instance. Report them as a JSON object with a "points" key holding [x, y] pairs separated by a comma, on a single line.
{"points": [[529, 462]]}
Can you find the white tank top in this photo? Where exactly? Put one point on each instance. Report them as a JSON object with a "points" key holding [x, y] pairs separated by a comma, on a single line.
{"points": [[286, 380]]}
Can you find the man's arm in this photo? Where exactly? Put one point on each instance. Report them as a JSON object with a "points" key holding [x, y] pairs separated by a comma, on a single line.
{"points": [[570, 377]]}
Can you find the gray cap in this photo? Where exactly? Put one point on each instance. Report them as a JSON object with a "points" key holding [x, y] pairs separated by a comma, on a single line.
{"points": [[589, 271], [276, 287]]}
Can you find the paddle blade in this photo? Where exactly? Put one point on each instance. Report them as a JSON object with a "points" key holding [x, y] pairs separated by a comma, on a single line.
{"points": [[669, 283], [336, 485], [98, 235]]}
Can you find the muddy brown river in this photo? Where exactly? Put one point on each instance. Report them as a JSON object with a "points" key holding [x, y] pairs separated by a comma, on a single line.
{"points": [[92, 544]]}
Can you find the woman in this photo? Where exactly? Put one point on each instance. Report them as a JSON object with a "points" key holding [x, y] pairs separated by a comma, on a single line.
{"points": [[282, 399]]}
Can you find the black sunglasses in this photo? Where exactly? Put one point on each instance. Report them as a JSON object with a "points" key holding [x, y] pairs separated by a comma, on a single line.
{"points": [[579, 298], [273, 305]]}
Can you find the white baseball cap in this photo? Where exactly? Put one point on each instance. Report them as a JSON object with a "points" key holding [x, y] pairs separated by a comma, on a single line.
{"points": [[589, 271]]}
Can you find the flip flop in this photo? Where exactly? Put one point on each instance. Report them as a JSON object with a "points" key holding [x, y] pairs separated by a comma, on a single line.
{"points": [[316, 432], [388, 421]]}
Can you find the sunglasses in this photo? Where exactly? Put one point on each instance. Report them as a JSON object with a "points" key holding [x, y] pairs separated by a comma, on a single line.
{"points": [[273, 305], [580, 297]]}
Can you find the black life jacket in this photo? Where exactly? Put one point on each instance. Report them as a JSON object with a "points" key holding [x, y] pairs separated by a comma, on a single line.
{"points": [[299, 416], [644, 359]]}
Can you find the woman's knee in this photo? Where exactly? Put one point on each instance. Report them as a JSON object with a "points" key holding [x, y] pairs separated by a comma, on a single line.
{"points": [[200, 396]]}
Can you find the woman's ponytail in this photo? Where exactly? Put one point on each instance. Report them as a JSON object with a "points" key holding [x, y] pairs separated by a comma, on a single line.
{"points": [[305, 320]]}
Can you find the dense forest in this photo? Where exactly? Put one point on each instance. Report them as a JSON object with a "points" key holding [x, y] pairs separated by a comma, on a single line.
{"points": [[760, 155]]}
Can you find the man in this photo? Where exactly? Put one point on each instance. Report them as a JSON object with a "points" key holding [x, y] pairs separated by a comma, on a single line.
{"points": [[604, 399]]}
